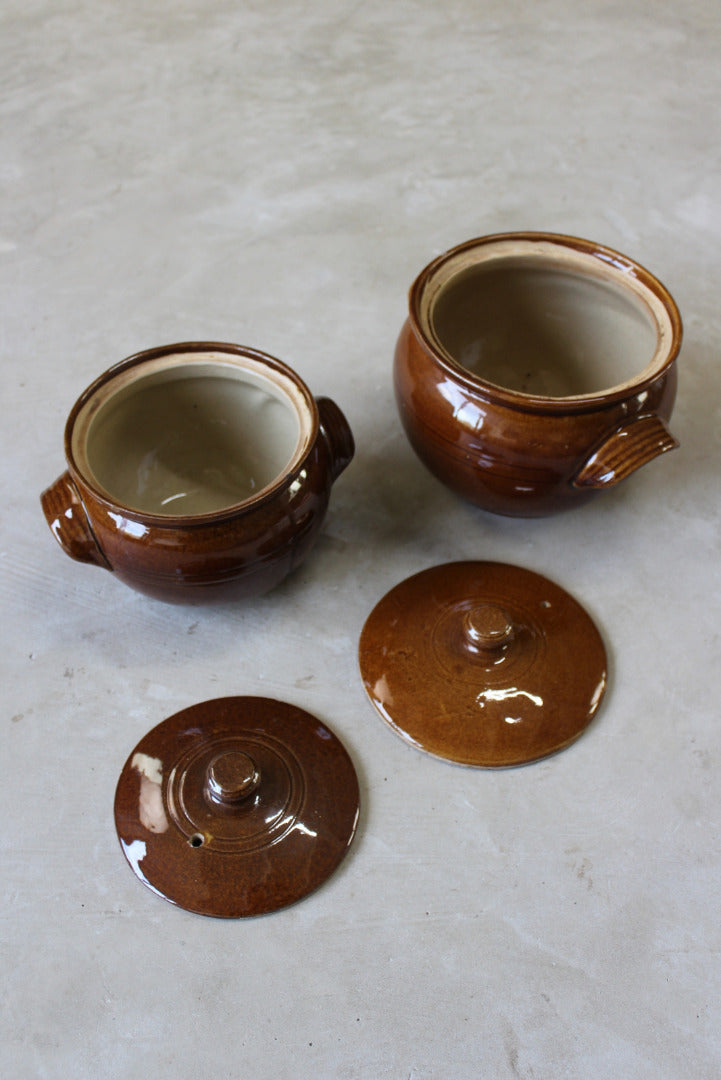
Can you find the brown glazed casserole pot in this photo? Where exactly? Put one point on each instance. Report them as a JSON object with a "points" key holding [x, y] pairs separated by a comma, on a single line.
{"points": [[196, 469], [535, 370]]}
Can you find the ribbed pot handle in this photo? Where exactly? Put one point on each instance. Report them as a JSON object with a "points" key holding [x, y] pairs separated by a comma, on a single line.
{"points": [[629, 447], [68, 521], [337, 434]]}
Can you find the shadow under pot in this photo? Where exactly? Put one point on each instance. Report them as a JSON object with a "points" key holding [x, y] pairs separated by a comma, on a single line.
{"points": [[535, 370], [197, 469]]}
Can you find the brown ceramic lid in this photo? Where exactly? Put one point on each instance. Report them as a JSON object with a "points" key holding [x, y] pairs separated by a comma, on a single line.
{"points": [[237, 806], [483, 664]]}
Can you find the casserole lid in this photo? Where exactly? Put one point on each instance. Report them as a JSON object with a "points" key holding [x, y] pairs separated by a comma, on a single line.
{"points": [[236, 806], [483, 664]]}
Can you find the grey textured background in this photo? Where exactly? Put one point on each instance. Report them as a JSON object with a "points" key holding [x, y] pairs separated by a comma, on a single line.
{"points": [[276, 173]]}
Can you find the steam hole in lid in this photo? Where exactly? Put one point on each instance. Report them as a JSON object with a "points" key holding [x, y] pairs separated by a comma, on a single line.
{"points": [[542, 329], [197, 840]]}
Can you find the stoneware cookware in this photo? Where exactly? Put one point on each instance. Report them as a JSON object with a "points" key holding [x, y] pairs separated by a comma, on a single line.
{"points": [[236, 806], [535, 370], [197, 468], [483, 664]]}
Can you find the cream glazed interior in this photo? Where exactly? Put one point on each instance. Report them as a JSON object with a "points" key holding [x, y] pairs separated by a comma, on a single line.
{"points": [[542, 319], [187, 434]]}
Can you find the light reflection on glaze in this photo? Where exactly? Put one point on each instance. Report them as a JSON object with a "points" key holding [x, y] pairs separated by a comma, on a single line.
{"points": [[620, 264], [172, 498], [354, 826], [151, 810], [298, 483], [151, 767], [301, 828], [597, 695], [468, 412], [506, 695], [135, 852], [381, 692], [131, 528], [382, 706]]}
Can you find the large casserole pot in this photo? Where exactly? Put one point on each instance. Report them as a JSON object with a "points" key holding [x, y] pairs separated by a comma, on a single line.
{"points": [[534, 370]]}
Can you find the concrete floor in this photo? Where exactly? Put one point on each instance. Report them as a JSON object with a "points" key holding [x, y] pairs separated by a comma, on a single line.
{"points": [[276, 174]]}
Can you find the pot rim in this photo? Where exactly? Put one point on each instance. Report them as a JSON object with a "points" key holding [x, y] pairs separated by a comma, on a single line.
{"points": [[186, 351], [615, 265]]}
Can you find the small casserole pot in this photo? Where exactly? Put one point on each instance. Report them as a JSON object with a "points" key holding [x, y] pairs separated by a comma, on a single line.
{"points": [[195, 469]]}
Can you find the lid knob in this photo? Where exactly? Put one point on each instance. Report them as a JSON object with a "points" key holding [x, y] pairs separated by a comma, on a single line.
{"points": [[231, 777], [487, 626]]}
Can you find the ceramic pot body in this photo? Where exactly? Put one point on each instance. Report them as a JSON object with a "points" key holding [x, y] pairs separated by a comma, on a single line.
{"points": [[197, 469], [535, 370]]}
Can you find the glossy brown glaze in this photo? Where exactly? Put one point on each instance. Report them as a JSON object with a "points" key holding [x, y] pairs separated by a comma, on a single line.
{"points": [[242, 549], [511, 449], [483, 664], [237, 806]]}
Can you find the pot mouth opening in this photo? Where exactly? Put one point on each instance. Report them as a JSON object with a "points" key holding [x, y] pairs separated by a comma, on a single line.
{"points": [[191, 434], [540, 320]]}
